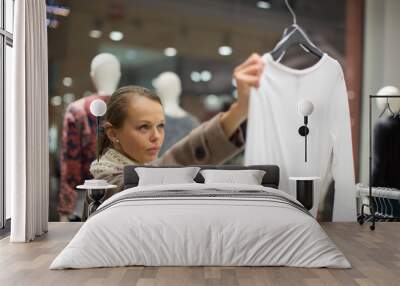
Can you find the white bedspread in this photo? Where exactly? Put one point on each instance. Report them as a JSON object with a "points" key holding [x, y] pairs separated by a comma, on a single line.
{"points": [[182, 231]]}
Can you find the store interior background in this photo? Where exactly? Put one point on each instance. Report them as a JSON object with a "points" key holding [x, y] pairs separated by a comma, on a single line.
{"points": [[185, 37]]}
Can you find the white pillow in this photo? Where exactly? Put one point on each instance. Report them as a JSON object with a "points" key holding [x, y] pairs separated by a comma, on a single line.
{"points": [[163, 176], [249, 177]]}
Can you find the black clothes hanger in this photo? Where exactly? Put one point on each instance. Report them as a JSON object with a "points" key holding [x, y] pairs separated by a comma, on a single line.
{"points": [[387, 107], [294, 35]]}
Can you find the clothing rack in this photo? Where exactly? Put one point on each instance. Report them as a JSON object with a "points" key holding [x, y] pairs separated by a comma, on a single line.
{"points": [[374, 215], [381, 196]]}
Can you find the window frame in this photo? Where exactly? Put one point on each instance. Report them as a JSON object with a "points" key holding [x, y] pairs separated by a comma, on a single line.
{"points": [[6, 39]]}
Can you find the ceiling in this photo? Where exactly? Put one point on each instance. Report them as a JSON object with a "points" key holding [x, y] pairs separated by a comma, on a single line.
{"points": [[196, 28]]}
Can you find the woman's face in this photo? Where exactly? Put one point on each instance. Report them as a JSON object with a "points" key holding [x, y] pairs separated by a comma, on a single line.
{"points": [[142, 133]]}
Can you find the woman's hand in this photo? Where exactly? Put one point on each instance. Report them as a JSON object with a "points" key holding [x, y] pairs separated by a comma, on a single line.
{"points": [[246, 75]]}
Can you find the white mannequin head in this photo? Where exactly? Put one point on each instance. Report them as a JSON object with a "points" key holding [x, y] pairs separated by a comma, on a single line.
{"points": [[105, 71], [169, 87], [394, 103]]}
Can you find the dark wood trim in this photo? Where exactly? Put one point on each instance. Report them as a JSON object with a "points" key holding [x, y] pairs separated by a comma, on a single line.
{"points": [[353, 70]]}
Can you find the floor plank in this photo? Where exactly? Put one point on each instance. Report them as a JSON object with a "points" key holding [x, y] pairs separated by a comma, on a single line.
{"points": [[374, 255]]}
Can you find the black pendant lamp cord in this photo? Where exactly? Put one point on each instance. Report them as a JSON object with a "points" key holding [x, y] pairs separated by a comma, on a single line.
{"points": [[305, 138], [97, 137]]}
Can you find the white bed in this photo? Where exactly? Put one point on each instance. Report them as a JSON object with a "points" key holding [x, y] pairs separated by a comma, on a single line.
{"points": [[222, 225]]}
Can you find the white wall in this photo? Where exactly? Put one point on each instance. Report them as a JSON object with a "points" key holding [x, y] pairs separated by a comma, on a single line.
{"points": [[381, 62]]}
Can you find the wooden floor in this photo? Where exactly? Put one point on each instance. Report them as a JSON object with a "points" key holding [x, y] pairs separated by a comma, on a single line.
{"points": [[375, 256]]}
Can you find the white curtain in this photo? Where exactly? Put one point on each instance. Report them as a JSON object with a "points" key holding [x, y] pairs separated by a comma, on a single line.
{"points": [[27, 164]]}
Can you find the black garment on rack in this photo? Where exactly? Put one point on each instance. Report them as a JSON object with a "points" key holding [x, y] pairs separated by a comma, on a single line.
{"points": [[386, 156]]}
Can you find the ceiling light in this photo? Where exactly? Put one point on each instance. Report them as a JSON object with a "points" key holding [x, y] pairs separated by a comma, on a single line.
{"points": [[263, 5], [206, 75], [225, 50], [95, 34], [52, 23], [170, 52], [68, 98], [87, 93], [195, 76], [67, 81], [56, 100], [116, 36], [58, 10], [212, 103]]}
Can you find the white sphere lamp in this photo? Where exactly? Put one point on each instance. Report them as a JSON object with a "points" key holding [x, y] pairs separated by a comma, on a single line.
{"points": [[98, 108]]}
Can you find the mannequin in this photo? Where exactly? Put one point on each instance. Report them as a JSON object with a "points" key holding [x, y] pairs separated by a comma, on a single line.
{"points": [[105, 71], [386, 152], [78, 148], [382, 103], [168, 87], [179, 122]]}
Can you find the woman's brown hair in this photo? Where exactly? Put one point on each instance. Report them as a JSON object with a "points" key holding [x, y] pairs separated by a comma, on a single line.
{"points": [[117, 110]]}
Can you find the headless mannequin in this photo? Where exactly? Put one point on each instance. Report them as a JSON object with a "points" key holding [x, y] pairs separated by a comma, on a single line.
{"points": [[386, 152], [179, 122], [79, 136], [105, 71], [168, 87], [393, 103]]}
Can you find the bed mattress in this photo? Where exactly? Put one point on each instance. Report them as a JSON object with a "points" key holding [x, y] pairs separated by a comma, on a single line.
{"points": [[201, 225]]}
